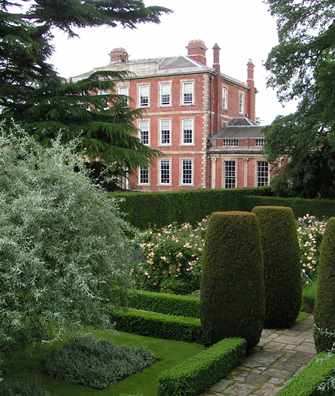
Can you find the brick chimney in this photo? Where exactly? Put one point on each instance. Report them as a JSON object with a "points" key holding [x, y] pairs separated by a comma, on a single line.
{"points": [[216, 57], [251, 103], [119, 55], [196, 50]]}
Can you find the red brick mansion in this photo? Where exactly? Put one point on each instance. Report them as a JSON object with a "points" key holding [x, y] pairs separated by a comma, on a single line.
{"points": [[201, 120]]}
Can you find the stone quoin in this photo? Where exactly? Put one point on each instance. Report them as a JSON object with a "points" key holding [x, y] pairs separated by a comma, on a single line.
{"points": [[201, 120]]}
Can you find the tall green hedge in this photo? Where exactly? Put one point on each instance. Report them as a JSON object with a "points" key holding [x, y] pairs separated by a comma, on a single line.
{"points": [[232, 286], [282, 269], [300, 206], [324, 313], [162, 208]]}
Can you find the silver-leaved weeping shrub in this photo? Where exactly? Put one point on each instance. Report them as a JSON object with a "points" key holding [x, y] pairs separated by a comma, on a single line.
{"points": [[64, 248]]}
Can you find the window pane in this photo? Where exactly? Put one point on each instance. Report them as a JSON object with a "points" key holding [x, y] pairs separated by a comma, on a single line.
{"points": [[165, 171], [260, 142], [241, 102], [165, 131], [144, 175], [230, 174], [187, 175], [188, 92], [165, 93], [144, 92], [144, 131], [225, 98], [262, 173], [231, 142], [187, 131]]}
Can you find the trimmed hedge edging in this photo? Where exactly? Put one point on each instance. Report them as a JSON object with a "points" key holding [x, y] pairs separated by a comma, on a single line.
{"points": [[157, 325], [308, 380], [203, 370], [170, 304], [159, 209], [301, 206]]}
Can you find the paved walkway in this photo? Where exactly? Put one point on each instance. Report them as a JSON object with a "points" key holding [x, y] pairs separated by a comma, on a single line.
{"points": [[279, 355]]}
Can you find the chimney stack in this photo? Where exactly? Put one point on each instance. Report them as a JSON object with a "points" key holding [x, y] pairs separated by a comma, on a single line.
{"points": [[251, 69], [216, 56], [251, 98], [196, 50], [119, 55]]}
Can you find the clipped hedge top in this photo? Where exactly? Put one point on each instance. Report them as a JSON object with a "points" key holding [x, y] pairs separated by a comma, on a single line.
{"points": [[233, 213]]}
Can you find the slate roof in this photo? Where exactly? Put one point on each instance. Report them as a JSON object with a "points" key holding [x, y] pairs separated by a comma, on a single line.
{"points": [[240, 128]]}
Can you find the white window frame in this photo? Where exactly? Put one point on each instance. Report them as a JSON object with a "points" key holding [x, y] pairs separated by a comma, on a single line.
{"points": [[225, 98], [182, 128], [160, 132], [231, 142], [139, 86], [224, 173], [183, 82], [139, 176], [256, 175], [181, 171], [160, 174], [161, 83], [140, 131], [126, 87], [241, 104]]}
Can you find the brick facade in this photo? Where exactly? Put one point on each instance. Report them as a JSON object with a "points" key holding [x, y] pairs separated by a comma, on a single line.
{"points": [[206, 104]]}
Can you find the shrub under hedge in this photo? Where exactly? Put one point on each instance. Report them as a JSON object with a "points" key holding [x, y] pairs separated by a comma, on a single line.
{"points": [[157, 325], [306, 382], [95, 364], [282, 268], [324, 313], [232, 285], [162, 208], [198, 373], [170, 304]]}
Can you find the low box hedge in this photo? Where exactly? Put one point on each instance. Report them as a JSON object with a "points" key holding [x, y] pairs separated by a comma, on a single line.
{"points": [[155, 324], [306, 383], [203, 370], [170, 304]]}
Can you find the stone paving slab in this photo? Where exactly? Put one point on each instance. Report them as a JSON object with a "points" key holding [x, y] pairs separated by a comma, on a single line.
{"points": [[279, 355]]}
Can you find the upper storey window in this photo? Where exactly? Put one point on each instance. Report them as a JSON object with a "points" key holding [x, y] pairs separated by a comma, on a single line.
{"points": [[260, 142], [241, 102], [165, 94], [187, 95], [144, 95], [124, 92], [225, 98]]}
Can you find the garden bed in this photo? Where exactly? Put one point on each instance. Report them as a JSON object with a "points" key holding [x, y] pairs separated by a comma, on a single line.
{"points": [[170, 353]]}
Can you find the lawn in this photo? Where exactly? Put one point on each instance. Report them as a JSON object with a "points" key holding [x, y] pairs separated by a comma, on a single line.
{"points": [[25, 364]]}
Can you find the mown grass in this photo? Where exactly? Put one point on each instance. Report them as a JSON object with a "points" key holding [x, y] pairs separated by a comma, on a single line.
{"points": [[26, 364]]}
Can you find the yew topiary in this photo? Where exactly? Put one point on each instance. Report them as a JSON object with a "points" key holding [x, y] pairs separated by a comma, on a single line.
{"points": [[324, 314], [232, 285], [282, 269]]}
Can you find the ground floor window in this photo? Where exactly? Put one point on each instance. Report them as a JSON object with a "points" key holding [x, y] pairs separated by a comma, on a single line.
{"points": [[262, 173], [230, 174], [187, 171], [165, 171], [143, 175]]}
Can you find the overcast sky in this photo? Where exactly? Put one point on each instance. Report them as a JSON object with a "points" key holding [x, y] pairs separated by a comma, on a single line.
{"points": [[243, 28]]}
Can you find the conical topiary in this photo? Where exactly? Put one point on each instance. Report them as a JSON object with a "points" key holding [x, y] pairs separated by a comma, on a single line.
{"points": [[232, 285], [282, 268], [324, 313]]}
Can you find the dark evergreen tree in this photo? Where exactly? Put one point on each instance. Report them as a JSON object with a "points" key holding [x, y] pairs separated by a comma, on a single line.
{"points": [[34, 95], [302, 68]]}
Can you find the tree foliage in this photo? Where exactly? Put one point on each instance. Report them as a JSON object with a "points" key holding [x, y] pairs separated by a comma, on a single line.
{"points": [[64, 248], [34, 95], [302, 68]]}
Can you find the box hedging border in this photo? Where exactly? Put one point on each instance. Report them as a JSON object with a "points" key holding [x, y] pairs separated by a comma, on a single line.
{"points": [[159, 325], [307, 381], [170, 304], [180, 305], [203, 370], [157, 209]]}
